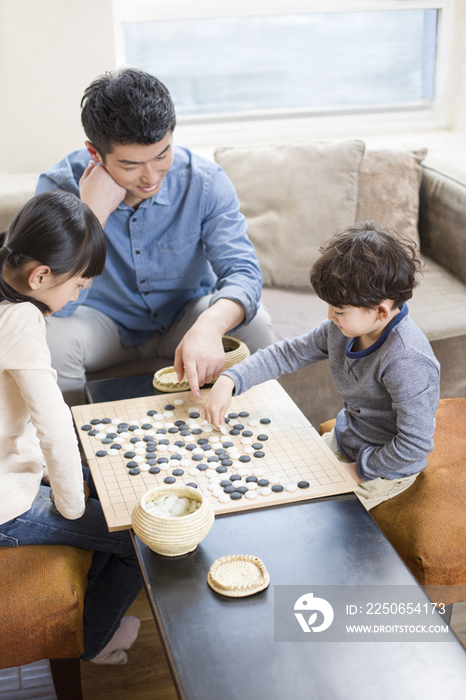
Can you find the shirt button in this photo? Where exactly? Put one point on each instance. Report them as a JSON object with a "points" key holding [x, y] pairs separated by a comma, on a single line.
{"points": [[138, 252], [134, 220], [142, 281]]}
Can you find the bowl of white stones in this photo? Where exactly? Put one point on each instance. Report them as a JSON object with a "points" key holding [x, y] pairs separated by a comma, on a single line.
{"points": [[172, 520]]}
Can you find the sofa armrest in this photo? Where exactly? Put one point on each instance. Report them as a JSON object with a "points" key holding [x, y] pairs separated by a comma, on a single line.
{"points": [[442, 221]]}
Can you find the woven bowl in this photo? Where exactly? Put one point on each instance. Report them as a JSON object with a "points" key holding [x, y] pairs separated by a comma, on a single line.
{"points": [[173, 536], [166, 379]]}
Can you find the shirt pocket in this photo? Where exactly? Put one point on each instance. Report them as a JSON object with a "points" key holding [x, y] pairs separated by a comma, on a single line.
{"points": [[178, 256]]}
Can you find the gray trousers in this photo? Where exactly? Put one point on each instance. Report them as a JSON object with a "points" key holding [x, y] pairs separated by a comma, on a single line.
{"points": [[88, 340]]}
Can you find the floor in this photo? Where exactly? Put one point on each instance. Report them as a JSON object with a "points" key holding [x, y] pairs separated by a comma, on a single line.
{"points": [[146, 676]]}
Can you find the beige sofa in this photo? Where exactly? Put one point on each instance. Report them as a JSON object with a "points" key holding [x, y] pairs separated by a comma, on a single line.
{"points": [[294, 197]]}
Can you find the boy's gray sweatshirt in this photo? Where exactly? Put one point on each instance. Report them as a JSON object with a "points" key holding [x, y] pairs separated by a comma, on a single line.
{"points": [[390, 391]]}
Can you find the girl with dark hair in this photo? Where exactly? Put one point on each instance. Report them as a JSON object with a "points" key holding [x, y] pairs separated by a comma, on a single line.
{"points": [[52, 249]]}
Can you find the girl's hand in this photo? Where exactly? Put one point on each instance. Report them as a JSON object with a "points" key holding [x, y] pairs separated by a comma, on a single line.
{"points": [[219, 401]]}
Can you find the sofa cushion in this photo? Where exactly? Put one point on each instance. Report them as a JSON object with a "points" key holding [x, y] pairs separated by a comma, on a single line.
{"points": [[294, 196], [389, 183], [15, 191]]}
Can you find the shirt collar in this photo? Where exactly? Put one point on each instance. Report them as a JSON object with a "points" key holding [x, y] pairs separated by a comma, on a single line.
{"points": [[161, 198]]}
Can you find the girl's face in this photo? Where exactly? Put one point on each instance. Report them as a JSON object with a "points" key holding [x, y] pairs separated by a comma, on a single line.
{"points": [[56, 292]]}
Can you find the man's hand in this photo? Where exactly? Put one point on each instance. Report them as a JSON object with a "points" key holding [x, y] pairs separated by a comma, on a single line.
{"points": [[100, 191], [200, 354], [219, 401]]}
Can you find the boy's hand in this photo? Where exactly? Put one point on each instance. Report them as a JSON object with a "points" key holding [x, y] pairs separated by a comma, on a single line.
{"points": [[351, 469], [219, 401], [100, 192]]}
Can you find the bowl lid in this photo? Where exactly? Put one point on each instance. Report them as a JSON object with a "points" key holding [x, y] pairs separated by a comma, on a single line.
{"points": [[238, 576]]}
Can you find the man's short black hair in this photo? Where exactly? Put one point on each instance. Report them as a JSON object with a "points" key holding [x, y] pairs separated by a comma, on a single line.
{"points": [[365, 264], [127, 106]]}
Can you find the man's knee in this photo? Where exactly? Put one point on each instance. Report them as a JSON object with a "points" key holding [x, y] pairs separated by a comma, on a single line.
{"points": [[258, 333]]}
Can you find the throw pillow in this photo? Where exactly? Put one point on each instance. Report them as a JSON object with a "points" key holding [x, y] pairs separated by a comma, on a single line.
{"points": [[294, 196]]}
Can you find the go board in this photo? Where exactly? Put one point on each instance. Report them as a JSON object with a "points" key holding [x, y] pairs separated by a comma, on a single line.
{"points": [[274, 456]]}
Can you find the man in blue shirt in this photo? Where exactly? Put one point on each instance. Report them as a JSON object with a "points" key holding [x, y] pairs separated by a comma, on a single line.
{"points": [[181, 271]]}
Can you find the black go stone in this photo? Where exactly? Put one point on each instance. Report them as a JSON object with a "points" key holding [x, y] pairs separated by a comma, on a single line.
{"points": [[236, 495], [221, 470], [92, 432], [162, 460], [146, 426], [243, 414], [180, 443], [100, 453], [112, 435], [129, 455], [173, 430], [196, 431], [154, 470], [251, 478], [130, 465], [95, 421], [133, 427], [262, 482], [121, 430], [247, 433], [206, 447], [202, 467], [234, 431], [303, 484], [257, 445], [151, 413], [238, 426], [169, 407], [106, 441], [202, 441], [134, 440], [185, 433], [277, 488], [242, 489], [197, 458], [235, 477], [105, 421], [226, 462], [259, 453], [232, 415], [192, 484], [161, 431], [151, 448], [219, 450], [265, 421], [178, 472], [194, 414], [190, 446], [214, 458], [262, 437], [245, 458], [229, 489], [179, 423], [134, 471], [169, 480], [225, 482], [151, 462], [226, 445], [115, 446], [164, 441], [123, 426], [86, 427], [175, 456], [148, 438]]}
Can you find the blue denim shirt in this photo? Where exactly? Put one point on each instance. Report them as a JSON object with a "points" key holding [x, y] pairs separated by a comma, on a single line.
{"points": [[186, 241]]}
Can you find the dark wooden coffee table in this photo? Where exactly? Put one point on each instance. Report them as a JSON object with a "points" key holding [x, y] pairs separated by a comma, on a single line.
{"points": [[223, 648]]}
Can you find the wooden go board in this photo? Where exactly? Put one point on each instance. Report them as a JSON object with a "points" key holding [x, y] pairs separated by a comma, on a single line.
{"points": [[125, 441]]}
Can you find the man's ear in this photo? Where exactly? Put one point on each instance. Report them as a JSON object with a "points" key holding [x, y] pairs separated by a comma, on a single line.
{"points": [[93, 152], [39, 276]]}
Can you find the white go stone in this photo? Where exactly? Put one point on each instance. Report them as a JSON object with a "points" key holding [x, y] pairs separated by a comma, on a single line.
{"points": [[158, 417], [124, 435], [138, 458], [116, 421], [168, 414], [178, 402], [133, 421], [174, 462], [182, 451], [193, 471], [214, 438], [232, 450], [224, 498], [212, 487], [217, 492], [236, 465], [186, 463], [214, 480], [242, 471], [207, 428], [168, 425], [138, 432], [223, 429], [140, 451], [165, 466], [246, 441], [258, 471], [138, 444], [172, 448], [253, 422], [273, 479], [150, 432], [162, 448], [118, 440], [109, 429], [100, 436], [248, 450], [197, 451], [113, 452], [251, 494], [144, 467], [290, 487], [265, 491], [252, 485]]}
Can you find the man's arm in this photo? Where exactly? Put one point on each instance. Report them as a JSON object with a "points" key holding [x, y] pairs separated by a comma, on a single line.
{"points": [[100, 191]]}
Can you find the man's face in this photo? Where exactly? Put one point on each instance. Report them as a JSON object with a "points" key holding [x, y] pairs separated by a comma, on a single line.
{"points": [[138, 169]]}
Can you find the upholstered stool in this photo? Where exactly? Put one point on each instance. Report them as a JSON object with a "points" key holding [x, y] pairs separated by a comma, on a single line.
{"points": [[42, 590], [426, 524]]}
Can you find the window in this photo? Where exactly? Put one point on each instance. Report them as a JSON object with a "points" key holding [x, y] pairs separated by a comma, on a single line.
{"points": [[225, 61]]}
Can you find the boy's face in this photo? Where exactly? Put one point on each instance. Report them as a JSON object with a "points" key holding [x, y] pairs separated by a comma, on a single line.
{"points": [[355, 321], [139, 169]]}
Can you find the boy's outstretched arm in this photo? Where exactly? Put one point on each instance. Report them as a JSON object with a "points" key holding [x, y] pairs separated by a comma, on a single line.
{"points": [[219, 400]]}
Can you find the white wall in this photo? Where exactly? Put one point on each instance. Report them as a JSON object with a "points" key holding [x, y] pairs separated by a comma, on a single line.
{"points": [[50, 50]]}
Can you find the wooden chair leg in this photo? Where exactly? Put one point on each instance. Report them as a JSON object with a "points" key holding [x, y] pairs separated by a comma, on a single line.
{"points": [[66, 675]]}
